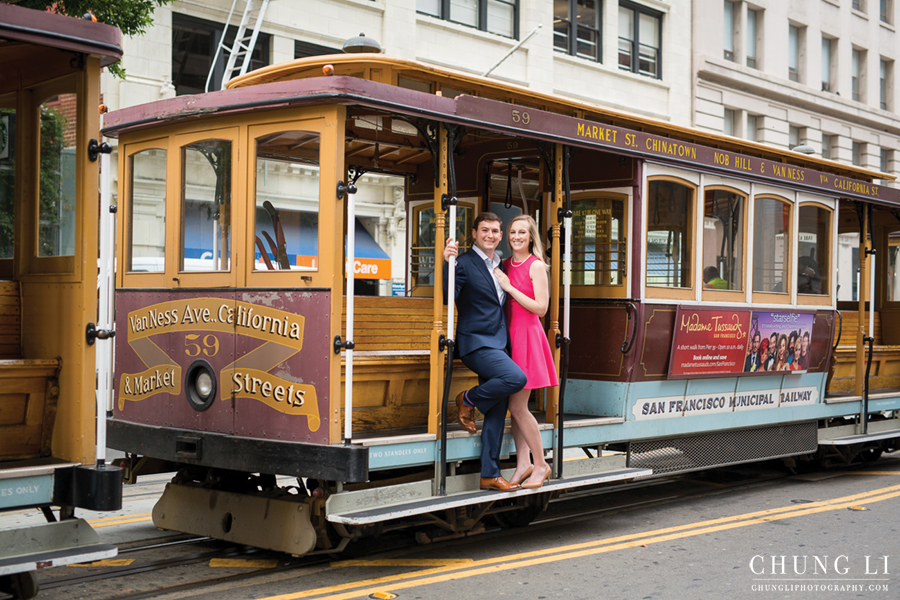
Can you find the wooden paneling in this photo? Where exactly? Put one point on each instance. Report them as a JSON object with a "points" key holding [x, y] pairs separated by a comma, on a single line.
{"points": [[28, 395], [10, 320]]}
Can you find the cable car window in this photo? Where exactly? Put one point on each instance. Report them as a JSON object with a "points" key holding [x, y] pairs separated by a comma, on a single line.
{"points": [[147, 229], [287, 201], [723, 240], [771, 245], [669, 225], [206, 206], [598, 241], [423, 239], [57, 177], [814, 250], [7, 180], [893, 264]]}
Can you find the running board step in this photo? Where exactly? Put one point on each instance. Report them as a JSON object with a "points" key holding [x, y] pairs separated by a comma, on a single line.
{"points": [[419, 506], [51, 545], [861, 438]]}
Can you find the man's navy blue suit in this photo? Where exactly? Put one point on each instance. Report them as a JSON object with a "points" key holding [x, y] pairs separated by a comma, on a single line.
{"points": [[482, 339]]}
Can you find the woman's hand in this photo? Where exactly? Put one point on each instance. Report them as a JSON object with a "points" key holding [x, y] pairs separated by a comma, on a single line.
{"points": [[505, 285]]}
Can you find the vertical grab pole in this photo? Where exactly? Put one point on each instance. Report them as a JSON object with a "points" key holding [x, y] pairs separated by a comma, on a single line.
{"points": [[448, 201], [864, 417], [351, 260], [564, 214], [104, 317]]}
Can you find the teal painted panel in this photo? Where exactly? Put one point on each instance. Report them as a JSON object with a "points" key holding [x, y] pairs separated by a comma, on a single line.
{"points": [[26, 491]]}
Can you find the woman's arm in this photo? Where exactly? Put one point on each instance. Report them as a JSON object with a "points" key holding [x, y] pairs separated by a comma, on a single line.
{"points": [[539, 279]]}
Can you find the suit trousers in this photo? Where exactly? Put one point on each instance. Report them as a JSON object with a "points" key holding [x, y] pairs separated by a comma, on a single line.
{"points": [[498, 377]]}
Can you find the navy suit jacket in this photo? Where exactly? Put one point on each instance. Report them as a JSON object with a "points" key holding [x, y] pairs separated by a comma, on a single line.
{"points": [[481, 322]]}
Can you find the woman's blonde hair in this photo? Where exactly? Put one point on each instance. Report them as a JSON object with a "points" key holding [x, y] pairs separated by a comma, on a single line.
{"points": [[535, 247]]}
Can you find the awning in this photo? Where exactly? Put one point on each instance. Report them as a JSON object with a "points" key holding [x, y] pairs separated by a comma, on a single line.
{"points": [[371, 261]]}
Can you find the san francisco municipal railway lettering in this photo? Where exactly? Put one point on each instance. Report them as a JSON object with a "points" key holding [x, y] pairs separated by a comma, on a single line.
{"points": [[726, 402]]}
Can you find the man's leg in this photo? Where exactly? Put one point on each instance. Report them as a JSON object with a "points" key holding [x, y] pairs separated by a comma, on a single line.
{"points": [[498, 377]]}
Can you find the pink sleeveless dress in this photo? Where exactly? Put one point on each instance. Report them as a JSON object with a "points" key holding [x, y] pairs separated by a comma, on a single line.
{"points": [[530, 349]]}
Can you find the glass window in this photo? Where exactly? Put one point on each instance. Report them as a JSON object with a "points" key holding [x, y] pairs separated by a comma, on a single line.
{"points": [[728, 33], [827, 144], [856, 153], [885, 7], [855, 68], [206, 206], [423, 239], [598, 241], [287, 201], [194, 43], [728, 125], [586, 16], [723, 240], [884, 83], [752, 124], [794, 53], [57, 178], [859, 5], [814, 250], [751, 37], [893, 276], [147, 207], [496, 16], [826, 64], [669, 227], [793, 136], [639, 39], [7, 181], [771, 245]]}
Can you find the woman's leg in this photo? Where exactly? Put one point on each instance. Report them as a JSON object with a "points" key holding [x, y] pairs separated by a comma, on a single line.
{"points": [[529, 431], [523, 460]]}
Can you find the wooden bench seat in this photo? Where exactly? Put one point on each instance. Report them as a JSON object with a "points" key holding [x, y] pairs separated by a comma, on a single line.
{"points": [[29, 389], [885, 370], [392, 364]]}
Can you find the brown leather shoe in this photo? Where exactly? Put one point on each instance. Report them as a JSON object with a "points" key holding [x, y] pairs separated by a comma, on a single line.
{"points": [[466, 413], [498, 484]]}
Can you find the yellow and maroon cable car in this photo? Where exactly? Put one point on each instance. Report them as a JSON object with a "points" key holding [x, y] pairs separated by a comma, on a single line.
{"points": [[696, 283], [52, 420]]}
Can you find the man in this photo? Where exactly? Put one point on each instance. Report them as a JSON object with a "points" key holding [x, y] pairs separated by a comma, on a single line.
{"points": [[481, 340], [713, 281], [752, 360]]}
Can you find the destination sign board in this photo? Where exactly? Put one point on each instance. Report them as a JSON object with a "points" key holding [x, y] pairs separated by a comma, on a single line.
{"points": [[610, 137]]}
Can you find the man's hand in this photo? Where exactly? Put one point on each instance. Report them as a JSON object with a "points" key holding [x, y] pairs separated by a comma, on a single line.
{"points": [[451, 249]]}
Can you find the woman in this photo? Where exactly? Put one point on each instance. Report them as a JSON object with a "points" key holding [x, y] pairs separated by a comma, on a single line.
{"points": [[763, 356], [795, 362], [781, 361], [526, 284]]}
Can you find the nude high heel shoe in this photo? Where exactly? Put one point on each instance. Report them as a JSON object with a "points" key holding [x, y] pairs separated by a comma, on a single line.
{"points": [[521, 480], [529, 485]]}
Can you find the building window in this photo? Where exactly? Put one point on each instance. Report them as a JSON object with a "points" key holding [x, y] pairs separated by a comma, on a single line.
{"points": [[640, 33], [495, 16], [826, 63], [827, 141], [583, 18], [793, 136], [728, 125], [728, 39], [857, 69], [752, 16], [794, 53], [752, 124], [859, 5], [194, 43], [885, 83], [856, 150], [885, 9], [304, 49]]}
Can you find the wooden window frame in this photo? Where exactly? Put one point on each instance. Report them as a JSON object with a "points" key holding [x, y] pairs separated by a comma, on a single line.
{"points": [[784, 297], [415, 207], [319, 277], [125, 277], [606, 290], [663, 292], [826, 299], [728, 295]]}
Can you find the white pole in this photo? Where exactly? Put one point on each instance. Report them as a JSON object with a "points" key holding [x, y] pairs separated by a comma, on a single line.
{"points": [[351, 261], [451, 279], [103, 352], [513, 49], [872, 299], [567, 275]]}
